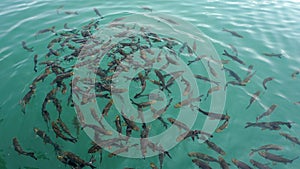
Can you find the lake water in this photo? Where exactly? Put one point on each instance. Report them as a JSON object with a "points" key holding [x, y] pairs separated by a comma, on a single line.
{"points": [[266, 27]]}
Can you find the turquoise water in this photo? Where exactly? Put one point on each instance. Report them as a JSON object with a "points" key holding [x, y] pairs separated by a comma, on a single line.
{"points": [[267, 27]]}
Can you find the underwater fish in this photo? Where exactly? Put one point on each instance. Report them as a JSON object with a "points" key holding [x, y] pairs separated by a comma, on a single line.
{"points": [[294, 74], [26, 47], [179, 124], [235, 58], [98, 13], [202, 156], [279, 55], [201, 164], [267, 80], [266, 148], [20, 150], [259, 165], [223, 163], [291, 138], [233, 33], [74, 160], [240, 164], [276, 158], [268, 112], [214, 147], [58, 133], [253, 98]]}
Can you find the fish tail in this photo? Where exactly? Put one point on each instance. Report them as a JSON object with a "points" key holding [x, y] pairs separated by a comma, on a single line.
{"points": [[31, 154], [248, 106], [294, 159]]}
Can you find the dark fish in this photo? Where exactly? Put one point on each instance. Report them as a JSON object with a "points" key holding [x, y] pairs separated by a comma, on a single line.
{"points": [[143, 104], [266, 148], [96, 148], [267, 80], [35, 62], [146, 8], [223, 163], [291, 138], [267, 113], [118, 124], [76, 125], [206, 79], [240, 164], [74, 160], [121, 150], [250, 67], [214, 115], [46, 139], [275, 125], [235, 83], [259, 165], [214, 147], [253, 98], [160, 77], [222, 127], [64, 127], [179, 124], [71, 12], [52, 29], [20, 150], [107, 107], [233, 74], [294, 74], [187, 101], [58, 133], [276, 158], [98, 13], [202, 156], [46, 117], [196, 59], [201, 164], [273, 54], [26, 48], [233, 33], [235, 58], [247, 79]]}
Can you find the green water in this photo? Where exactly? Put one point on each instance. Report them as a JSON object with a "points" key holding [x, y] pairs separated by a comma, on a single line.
{"points": [[267, 26]]}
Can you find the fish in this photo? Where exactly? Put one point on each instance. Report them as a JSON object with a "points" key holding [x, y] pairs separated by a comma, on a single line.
{"points": [[121, 150], [202, 156], [212, 70], [71, 12], [160, 77], [223, 163], [46, 117], [170, 60], [240, 164], [146, 8], [266, 148], [206, 79], [222, 127], [267, 80], [96, 148], [76, 125], [250, 68], [52, 29], [20, 150], [35, 62], [235, 83], [233, 33], [268, 112], [98, 13], [26, 47], [143, 84], [235, 58], [212, 115], [74, 160], [234, 49], [291, 138], [58, 133], [196, 59], [247, 79], [214, 147], [211, 90], [107, 107], [187, 89], [295, 73], [275, 125], [276, 158], [187, 101], [232, 74], [153, 166], [64, 127], [253, 98], [46, 139], [201, 164], [179, 124], [143, 104], [118, 124], [279, 55], [98, 129], [259, 165], [158, 113]]}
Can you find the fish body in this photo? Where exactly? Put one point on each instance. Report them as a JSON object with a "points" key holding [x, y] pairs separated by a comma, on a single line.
{"points": [[240, 164], [268, 112], [233, 33], [20, 150], [267, 80], [259, 165], [266, 148], [276, 158], [291, 138], [253, 98], [235, 58], [201, 164], [214, 147]]}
